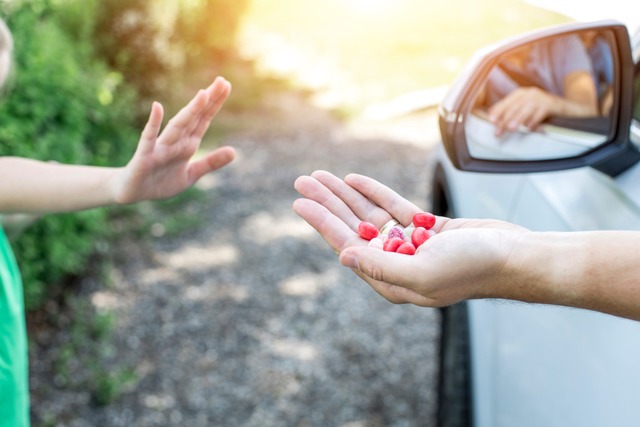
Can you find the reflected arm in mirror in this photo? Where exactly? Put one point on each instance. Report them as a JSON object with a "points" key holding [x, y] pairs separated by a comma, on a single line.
{"points": [[530, 106], [545, 143], [564, 117], [543, 79]]}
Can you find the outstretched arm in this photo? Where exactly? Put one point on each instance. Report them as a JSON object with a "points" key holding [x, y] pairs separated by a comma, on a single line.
{"points": [[530, 106], [471, 259], [161, 167]]}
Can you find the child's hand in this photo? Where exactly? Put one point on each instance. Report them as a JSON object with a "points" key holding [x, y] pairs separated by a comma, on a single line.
{"points": [[161, 166]]}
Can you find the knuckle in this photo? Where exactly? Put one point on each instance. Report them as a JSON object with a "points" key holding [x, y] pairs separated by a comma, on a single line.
{"points": [[376, 273]]}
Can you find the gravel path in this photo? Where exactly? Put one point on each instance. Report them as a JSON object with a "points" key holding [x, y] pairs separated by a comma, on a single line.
{"points": [[249, 320]]}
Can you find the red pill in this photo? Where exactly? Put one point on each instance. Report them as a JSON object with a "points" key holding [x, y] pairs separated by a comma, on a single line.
{"points": [[424, 219], [407, 249], [392, 245], [419, 236], [367, 231]]}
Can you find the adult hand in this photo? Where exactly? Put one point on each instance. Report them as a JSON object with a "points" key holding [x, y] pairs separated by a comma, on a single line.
{"points": [[525, 107], [161, 166], [465, 259], [528, 107]]}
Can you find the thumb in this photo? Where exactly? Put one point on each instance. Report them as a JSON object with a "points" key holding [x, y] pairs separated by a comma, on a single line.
{"points": [[392, 275], [214, 160], [388, 267]]}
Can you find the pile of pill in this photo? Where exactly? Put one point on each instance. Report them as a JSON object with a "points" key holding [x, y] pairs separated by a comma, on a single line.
{"points": [[398, 238]]}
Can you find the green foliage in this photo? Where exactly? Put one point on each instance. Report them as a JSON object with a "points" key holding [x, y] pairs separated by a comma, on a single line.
{"points": [[154, 43], [82, 72], [57, 246], [63, 105], [109, 386], [176, 215], [88, 345], [126, 35]]}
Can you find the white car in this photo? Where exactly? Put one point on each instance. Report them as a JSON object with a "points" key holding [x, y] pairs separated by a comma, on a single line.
{"points": [[503, 363]]}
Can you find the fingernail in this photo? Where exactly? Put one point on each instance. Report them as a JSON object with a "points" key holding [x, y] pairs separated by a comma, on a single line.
{"points": [[349, 260]]}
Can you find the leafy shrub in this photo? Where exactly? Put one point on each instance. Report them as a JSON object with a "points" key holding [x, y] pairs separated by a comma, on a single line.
{"points": [[83, 69], [127, 36], [62, 105], [153, 43]]}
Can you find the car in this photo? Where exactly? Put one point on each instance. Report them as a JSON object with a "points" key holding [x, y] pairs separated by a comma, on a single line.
{"points": [[505, 363]]}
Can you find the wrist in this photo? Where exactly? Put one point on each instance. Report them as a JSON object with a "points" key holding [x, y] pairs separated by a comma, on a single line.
{"points": [[115, 187], [546, 268]]}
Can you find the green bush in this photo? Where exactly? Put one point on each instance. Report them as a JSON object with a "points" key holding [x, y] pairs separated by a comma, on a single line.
{"points": [[126, 35], [153, 44], [62, 105], [84, 70]]}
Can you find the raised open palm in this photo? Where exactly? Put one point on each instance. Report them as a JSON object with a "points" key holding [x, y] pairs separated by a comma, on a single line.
{"points": [[161, 166]]}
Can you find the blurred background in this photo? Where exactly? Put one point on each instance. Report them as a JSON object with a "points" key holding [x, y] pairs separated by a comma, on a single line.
{"points": [[86, 71], [340, 84], [356, 53]]}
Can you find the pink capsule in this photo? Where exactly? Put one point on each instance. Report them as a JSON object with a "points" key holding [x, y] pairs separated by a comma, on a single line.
{"points": [[367, 231], [424, 219], [420, 235], [406, 248], [392, 244]]}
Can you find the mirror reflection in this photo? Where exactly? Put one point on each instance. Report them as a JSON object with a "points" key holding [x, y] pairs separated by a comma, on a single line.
{"points": [[545, 100]]}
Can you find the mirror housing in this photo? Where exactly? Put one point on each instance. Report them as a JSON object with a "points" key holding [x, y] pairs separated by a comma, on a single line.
{"points": [[468, 135]]}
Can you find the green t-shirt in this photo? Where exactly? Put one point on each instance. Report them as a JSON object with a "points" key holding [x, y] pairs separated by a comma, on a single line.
{"points": [[14, 384]]}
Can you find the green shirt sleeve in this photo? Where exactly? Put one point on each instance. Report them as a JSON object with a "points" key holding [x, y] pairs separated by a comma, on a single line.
{"points": [[14, 384]]}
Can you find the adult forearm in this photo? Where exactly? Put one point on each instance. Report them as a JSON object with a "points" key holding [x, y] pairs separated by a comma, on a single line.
{"points": [[33, 186], [569, 108], [593, 270]]}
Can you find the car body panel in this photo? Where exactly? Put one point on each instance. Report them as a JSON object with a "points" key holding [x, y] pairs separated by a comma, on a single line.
{"points": [[468, 190], [575, 200], [538, 365], [581, 366]]}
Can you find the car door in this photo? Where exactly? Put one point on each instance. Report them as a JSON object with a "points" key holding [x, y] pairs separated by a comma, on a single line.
{"points": [[535, 365]]}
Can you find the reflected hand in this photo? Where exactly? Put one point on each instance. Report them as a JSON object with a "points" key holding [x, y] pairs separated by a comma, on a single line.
{"points": [[465, 259], [526, 106], [161, 166]]}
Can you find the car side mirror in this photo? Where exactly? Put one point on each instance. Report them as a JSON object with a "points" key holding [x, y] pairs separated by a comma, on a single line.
{"points": [[555, 99]]}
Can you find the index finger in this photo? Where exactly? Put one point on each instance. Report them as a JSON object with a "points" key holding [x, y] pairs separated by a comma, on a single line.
{"points": [[188, 119], [397, 206], [218, 94], [310, 188], [332, 229], [362, 207]]}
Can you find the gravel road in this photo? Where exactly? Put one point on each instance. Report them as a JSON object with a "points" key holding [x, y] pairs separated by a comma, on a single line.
{"points": [[248, 320]]}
